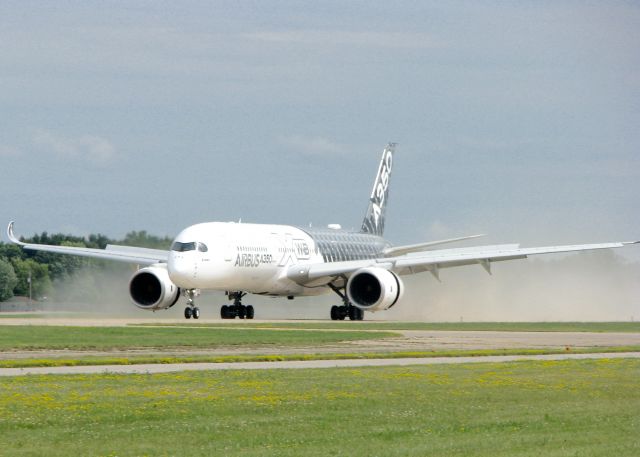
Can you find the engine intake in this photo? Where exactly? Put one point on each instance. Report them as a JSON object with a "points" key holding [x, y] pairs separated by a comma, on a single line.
{"points": [[374, 289], [151, 289]]}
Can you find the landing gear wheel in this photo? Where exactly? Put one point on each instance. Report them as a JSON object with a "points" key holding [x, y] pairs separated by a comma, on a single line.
{"points": [[237, 309], [355, 313], [191, 310], [339, 313]]}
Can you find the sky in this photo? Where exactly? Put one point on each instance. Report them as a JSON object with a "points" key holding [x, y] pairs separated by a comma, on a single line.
{"points": [[519, 120]]}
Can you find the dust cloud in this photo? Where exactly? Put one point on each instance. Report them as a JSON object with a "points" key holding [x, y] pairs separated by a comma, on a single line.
{"points": [[591, 286], [95, 290]]}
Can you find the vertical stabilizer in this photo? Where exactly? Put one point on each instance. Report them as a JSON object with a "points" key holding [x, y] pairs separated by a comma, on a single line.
{"points": [[374, 218]]}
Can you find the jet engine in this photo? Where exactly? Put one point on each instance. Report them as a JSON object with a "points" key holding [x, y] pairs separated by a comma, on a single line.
{"points": [[374, 289], [151, 289]]}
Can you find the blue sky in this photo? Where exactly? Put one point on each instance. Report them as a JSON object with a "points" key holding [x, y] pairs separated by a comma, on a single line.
{"points": [[515, 119]]}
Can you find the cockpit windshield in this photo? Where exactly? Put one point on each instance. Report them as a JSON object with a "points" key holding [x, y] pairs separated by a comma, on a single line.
{"points": [[191, 246]]}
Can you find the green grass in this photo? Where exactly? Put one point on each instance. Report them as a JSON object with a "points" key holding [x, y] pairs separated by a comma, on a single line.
{"points": [[100, 338], [560, 408], [162, 359], [599, 327]]}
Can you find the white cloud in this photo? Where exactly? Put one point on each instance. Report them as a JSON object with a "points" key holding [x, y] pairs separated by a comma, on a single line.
{"points": [[312, 146], [90, 148]]}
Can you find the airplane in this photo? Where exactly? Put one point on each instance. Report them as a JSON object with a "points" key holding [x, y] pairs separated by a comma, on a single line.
{"points": [[362, 268]]}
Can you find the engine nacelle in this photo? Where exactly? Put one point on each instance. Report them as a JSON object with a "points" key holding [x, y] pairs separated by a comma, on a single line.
{"points": [[374, 289], [151, 289]]}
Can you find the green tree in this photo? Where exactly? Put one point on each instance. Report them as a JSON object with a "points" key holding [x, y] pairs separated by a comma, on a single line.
{"points": [[62, 266], [9, 251], [143, 240], [8, 279], [39, 274]]}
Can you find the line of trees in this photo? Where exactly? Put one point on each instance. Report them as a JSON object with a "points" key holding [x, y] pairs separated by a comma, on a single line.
{"points": [[22, 269]]}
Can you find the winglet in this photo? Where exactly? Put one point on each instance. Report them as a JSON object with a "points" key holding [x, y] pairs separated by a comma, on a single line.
{"points": [[11, 235]]}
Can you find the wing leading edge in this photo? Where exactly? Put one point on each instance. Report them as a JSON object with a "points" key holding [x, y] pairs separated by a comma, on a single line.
{"points": [[128, 254], [433, 261]]}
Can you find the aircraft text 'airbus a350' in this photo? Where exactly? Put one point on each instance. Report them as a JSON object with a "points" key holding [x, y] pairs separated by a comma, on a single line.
{"points": [[279, 260]]}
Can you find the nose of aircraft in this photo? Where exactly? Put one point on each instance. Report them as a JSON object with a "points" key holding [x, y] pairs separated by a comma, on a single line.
{"points": [[182, 270]]}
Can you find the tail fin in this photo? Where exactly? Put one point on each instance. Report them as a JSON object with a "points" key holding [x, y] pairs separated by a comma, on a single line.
{"points": [[374, 218]]}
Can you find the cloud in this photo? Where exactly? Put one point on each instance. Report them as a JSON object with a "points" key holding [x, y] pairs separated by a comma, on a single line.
{"points": [[586, 286], [312, 146], [89, 148], [9, 151], [393, 40]]}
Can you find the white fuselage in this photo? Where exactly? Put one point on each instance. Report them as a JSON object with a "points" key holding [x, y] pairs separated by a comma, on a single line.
{"points": [[255, 257], [236, 256]]}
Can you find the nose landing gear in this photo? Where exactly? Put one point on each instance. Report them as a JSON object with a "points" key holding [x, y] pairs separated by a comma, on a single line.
{"points": [[191, 310], [237, 309]]}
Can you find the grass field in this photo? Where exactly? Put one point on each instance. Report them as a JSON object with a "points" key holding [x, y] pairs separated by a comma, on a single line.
{"points": [[568, 408], [83, 338], [598, 327], [243, 337]]}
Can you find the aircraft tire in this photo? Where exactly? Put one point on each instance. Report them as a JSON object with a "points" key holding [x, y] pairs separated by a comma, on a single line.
{"points": [[224, 312], [187, 313], [195, 313], [250, 312], [334, 313]]}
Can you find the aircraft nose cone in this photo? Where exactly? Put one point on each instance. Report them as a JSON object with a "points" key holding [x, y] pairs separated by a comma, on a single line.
{"points": [[181, 272]]}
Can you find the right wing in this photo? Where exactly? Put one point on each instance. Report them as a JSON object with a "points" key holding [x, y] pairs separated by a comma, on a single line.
{"points": [[128, 254], [315, 275]]}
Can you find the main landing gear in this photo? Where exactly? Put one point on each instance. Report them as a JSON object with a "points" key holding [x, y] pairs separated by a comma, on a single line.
{"points": [[237, 309], [339, 313], [191, 310]]}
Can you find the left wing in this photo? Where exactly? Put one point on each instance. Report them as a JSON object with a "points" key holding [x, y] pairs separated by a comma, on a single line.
{"points": [[128, 254], [432, 261]]}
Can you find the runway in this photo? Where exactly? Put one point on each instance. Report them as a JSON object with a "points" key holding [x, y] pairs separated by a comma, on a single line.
{"points": [[349, 363]]}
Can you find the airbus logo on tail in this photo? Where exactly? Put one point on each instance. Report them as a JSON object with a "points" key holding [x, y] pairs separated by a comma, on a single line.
{"points": [[374, 217], [379, 194]]}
